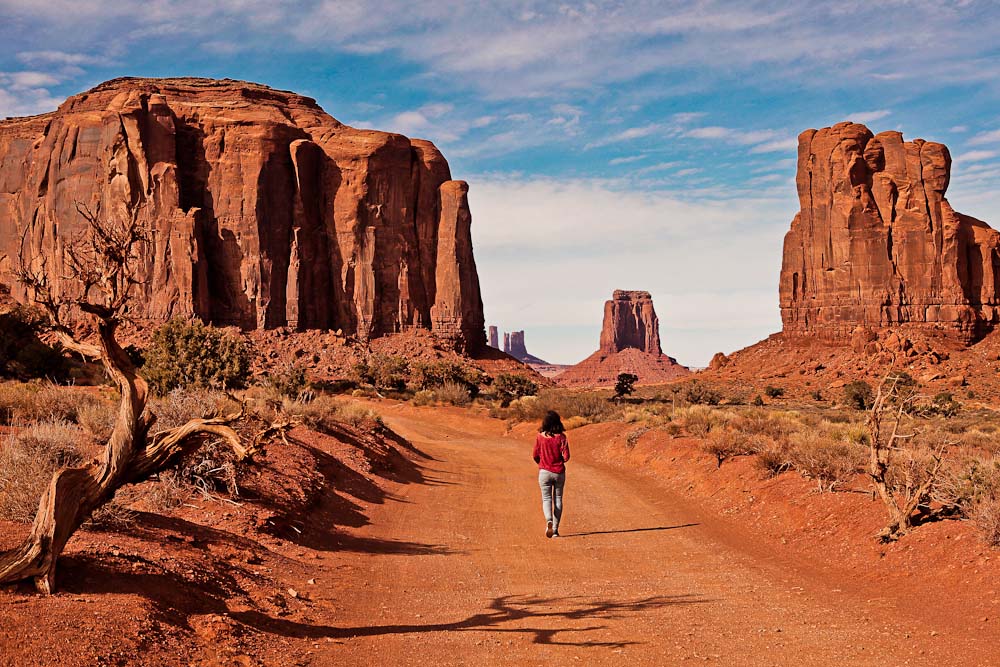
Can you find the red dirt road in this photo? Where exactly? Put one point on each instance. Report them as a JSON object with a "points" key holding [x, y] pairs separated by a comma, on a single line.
{"points": [[639, 578]]}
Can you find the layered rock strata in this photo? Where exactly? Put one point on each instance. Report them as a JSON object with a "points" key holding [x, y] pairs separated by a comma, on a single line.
{"points": [[263, 210], [630, 343], [519, 351], [877, 244], [494, 336]]}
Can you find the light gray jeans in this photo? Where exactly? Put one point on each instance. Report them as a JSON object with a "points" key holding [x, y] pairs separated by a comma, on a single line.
{"points": [[552, 492]]}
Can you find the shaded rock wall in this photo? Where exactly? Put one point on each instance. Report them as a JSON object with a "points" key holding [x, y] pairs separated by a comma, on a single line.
{"points": [[876, 242], [264, 210], [630, 321]]}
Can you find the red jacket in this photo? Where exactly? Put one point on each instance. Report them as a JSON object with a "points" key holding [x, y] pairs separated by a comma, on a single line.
{"points": [[551, 452]]}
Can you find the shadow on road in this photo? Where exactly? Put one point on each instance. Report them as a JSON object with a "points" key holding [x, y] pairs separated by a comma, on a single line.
{"points": [[626, 530], [502, 610]]}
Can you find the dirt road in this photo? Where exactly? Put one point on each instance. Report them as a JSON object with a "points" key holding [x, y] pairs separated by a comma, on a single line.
{"points": [[636, 579]]}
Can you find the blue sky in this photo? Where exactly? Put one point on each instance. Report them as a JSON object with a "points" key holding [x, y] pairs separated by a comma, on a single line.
{"points": [[641, 145]]}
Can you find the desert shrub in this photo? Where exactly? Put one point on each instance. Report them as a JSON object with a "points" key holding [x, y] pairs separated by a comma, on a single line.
{"points": [[772, 458], [383, 371], [431, 375], [699, 420], [817, 395], [625, 384], [326, 414], [28, 459], [698, 393], [985, 516], [590, 405], [576, 421], [964, 480], [290, 380], [828, 461], [511, 386], [423, 397], [182, 405], [943, 404], [41, 402], [97, 419], [724, 443], [858, 395], [762, 422], [453, 394], [774, 392], [757, 401], [190, 354]]}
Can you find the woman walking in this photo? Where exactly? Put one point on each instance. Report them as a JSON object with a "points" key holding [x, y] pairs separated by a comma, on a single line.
{"points": [[551, 454]]}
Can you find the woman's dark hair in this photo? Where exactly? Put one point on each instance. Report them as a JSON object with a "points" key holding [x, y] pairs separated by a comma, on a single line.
{"points": [[551, 423]]}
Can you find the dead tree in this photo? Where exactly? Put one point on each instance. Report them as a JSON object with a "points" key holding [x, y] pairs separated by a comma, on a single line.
{"points": [[101, 272], [885, 419]]}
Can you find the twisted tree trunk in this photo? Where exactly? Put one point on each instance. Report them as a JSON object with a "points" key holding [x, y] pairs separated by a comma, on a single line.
{"points": [[129, 457]]}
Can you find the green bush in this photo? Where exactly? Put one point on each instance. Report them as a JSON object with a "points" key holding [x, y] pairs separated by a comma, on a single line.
{"points": [[774, 392], [858, 395], [382, 371], [188, 353], [290, 380], [510, 387], [434, 374], [701, 394]]}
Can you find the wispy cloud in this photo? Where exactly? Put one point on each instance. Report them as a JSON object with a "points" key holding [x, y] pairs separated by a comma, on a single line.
{"points": [[991, 137], [777, 146], [976, 156], [868, 116], [626, 160]]}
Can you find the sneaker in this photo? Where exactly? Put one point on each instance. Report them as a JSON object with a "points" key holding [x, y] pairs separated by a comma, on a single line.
{"points": [[555, 534], [548, 529]]}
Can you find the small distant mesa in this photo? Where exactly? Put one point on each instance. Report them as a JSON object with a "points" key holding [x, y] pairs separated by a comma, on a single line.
{"points": [[630, 343], [513, 344]]}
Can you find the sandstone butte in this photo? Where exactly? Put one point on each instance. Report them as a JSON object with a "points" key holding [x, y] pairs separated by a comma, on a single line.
{"points": [[630, 343], [876, 243], [264, 210], [515, 347]]}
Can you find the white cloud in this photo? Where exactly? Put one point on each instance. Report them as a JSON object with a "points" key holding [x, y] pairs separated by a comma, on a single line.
{"points": [[991, 137], [868, 116], [777, 146], [976, 156], [626, 160]]}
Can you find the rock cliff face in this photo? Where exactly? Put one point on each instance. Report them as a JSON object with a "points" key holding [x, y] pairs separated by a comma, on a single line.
{"points": [[876, 243], [264, 211], [519, 351], [494, 335], [630, 343]]}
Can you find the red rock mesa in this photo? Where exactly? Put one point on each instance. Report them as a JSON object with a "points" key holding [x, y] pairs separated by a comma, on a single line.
{"points": [[265, 211], [876, 243], [630, 343]]}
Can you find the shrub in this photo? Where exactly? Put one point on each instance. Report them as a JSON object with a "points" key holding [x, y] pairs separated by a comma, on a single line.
{"points": [[943, 404], [589, 405], [28, 459], [625, 385], [290, 380], [191, 354], [757, 401], [423, 397], [382, 371], [724, 443], [326, 414], [34, 402], [773, 459], [817, 395], [97, 419], [511, 386], [985, 516], [701, 394], [453, 394], [830, 462], [858, 395], [431, 375], [699, 420], [632, 439], [774, 392], [182, 405], [576, 421]]}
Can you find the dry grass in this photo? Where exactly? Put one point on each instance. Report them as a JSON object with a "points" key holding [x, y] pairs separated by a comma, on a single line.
{"points": [[325, 413], [824, 458], [453, 393], [32, 402], [28, 459], [592, 406]]}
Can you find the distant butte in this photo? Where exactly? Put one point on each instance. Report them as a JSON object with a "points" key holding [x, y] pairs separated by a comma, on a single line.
{"points": [[630, 343], [265, 211]]}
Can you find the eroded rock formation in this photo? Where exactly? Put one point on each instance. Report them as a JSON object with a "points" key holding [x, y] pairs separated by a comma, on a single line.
{"points": [[876, 242], [519, 351], [630, 343], [264, 210], [494, 336]]}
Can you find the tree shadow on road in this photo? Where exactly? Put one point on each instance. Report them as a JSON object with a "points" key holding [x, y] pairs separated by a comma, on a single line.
{"points": [[507, 609], [627, 530]]}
